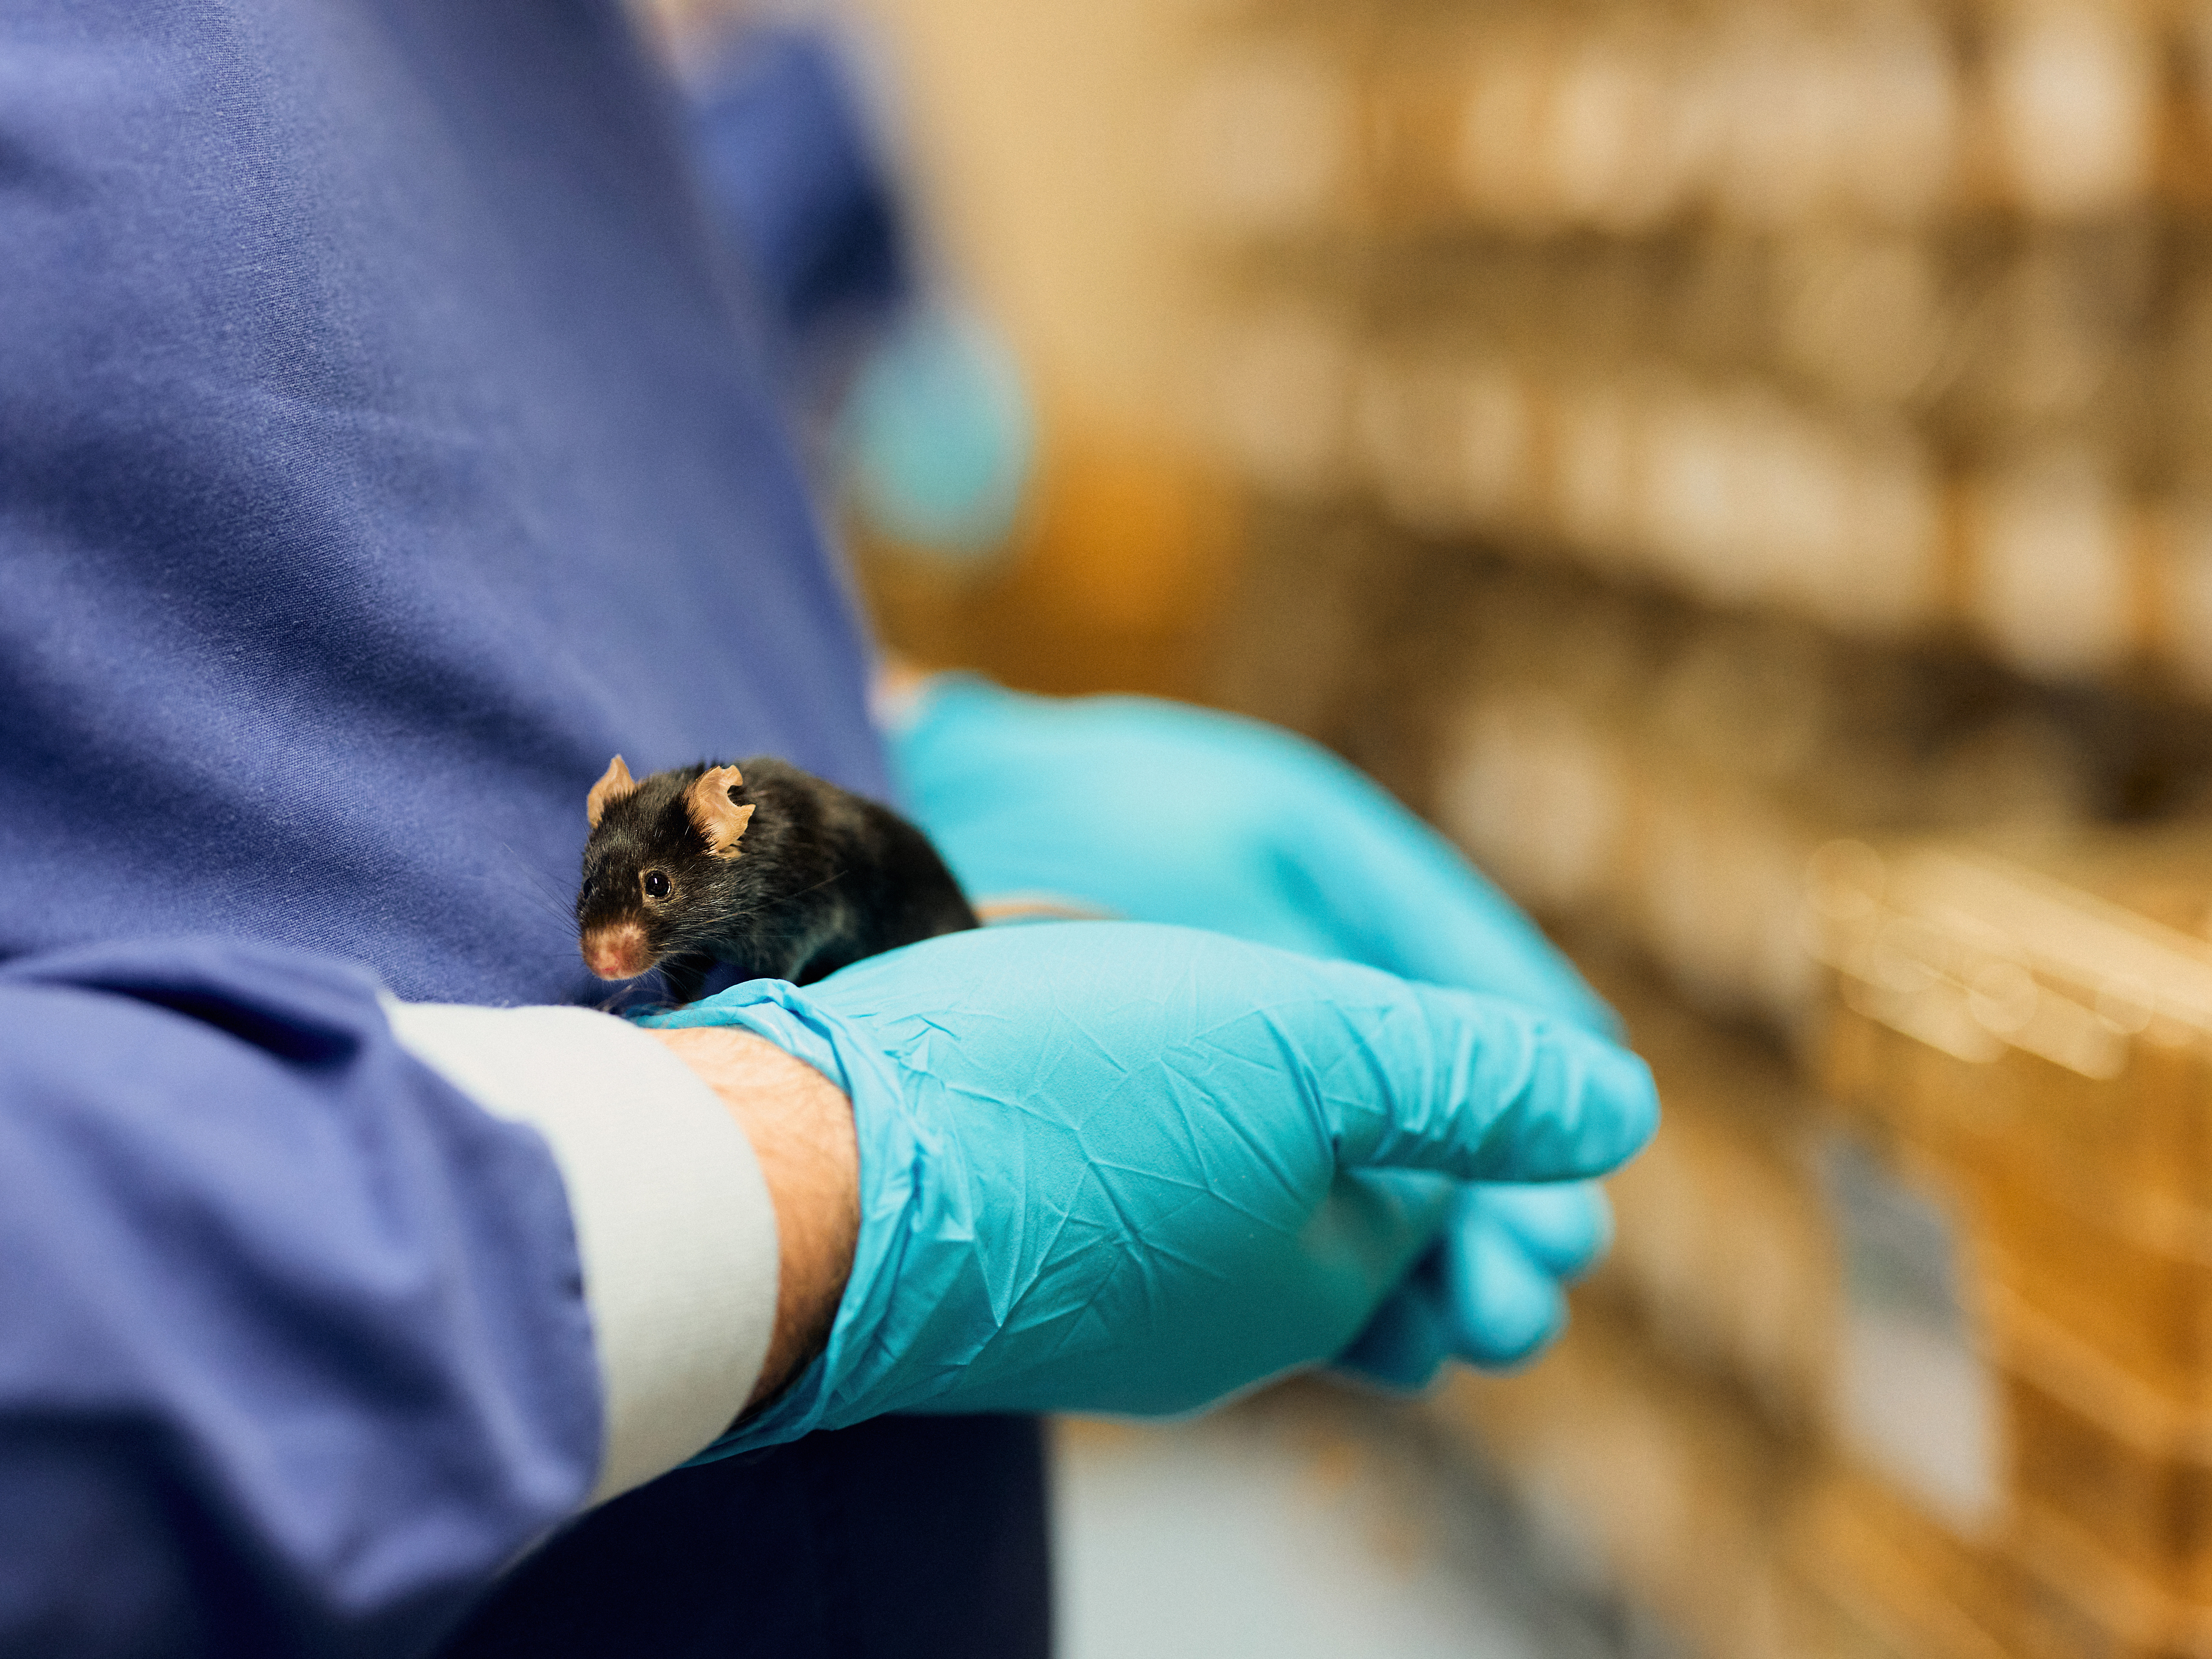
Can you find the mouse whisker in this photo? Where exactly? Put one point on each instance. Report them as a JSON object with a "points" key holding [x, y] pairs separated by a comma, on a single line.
{"points": [[783, 899], [537, 886], [724, 920]]}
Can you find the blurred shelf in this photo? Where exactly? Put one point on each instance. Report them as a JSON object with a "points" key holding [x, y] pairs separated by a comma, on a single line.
{"points": [[1893, 316]]}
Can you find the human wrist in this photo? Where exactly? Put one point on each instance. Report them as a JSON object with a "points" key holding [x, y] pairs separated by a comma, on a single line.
{"points": [[800, 1126]]}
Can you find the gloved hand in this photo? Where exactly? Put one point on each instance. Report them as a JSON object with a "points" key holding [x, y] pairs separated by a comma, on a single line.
{"points": [[1159, 812], [1123, 1167]]}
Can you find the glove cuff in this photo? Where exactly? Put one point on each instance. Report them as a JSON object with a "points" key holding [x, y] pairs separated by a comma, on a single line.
{"points": [[900, 1191]]}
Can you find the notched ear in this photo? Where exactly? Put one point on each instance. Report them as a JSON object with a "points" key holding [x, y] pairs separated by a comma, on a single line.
{"points": [[718, 820], [614, 783]]}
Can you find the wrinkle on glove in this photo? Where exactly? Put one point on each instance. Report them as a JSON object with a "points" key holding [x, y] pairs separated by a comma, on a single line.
{"points": [[1131, 1168]]}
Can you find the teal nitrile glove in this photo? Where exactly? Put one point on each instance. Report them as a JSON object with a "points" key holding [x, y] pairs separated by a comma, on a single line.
{"points": [[1122, 1167], [1159, 812]]}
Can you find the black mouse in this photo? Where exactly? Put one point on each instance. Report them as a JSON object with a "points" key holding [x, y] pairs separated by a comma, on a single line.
{"points": [[780, 873]]}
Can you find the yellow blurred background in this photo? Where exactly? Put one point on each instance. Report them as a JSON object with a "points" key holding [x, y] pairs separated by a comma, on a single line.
{"points": [[1740, 468]]}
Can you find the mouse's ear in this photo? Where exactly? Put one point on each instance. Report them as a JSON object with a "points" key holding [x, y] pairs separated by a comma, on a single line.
{"points": [[614, 783], [718, 817]]}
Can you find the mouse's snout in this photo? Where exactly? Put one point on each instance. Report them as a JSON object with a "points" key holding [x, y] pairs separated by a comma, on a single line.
{"points": [[616, 950]]}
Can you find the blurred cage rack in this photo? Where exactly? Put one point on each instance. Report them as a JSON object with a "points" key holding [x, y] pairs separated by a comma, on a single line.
{"points": [[1743, 468], [1895, 316]]}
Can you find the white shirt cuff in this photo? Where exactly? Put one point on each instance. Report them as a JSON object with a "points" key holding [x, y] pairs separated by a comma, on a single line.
{"points": [[673, 1222]]}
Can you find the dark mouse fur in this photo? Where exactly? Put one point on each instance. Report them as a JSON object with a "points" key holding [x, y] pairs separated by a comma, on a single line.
{"points": [[759, 864]]}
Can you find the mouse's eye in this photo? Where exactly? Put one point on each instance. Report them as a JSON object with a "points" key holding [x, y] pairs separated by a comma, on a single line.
{"points": [[656, 884]]}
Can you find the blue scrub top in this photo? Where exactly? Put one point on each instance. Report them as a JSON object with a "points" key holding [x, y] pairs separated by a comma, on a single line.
{"points": [[382, 448]]}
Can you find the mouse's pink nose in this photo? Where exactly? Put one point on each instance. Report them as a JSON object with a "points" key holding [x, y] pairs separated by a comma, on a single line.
{"points": [[616, 950]]}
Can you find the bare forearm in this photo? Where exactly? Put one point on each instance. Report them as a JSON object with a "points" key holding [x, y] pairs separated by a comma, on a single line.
{"points": [[800, 1125]]}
